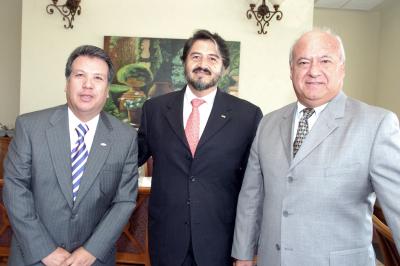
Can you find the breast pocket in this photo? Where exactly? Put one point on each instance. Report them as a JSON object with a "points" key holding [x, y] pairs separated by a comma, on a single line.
{"points": [[109, 178], [342, 170]]}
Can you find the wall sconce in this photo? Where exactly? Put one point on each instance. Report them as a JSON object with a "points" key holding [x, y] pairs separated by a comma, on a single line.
{"points": [[67, 10], [263, 14]]}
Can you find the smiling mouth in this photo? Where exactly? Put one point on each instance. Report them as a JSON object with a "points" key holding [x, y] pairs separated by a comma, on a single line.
{"points": [[315, 83], [86, 98], [200, 70]]}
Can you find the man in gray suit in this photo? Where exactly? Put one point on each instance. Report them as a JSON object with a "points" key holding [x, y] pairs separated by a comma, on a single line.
{"points": [[316, 168], [71, 173]]}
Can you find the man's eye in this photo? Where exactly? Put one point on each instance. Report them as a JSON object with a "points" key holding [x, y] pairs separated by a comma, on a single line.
{"points": [[325, 61], [303, 63], [99, 78]]}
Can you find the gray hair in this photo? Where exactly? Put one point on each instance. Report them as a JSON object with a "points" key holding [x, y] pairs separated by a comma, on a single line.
{"points": [[342, 55], [90, 51]]}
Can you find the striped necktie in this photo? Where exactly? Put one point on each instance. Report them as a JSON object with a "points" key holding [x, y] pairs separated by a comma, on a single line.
{"points": [[79, 155]]}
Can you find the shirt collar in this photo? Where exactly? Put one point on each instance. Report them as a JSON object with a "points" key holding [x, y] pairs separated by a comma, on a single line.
{"points": [[75, 121], [317, 109], [209, 98]]}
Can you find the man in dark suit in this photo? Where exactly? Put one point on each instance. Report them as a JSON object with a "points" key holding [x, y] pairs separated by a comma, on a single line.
{"points": [[71, 173], [199, 156]]}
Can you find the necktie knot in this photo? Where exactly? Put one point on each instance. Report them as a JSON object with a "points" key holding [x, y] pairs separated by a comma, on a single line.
{"points": [[308, 112], [196, 102], [81, 130]]}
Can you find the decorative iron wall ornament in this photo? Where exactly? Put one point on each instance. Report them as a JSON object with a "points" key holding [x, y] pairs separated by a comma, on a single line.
{"points": [[67, 10], [263, 14]]}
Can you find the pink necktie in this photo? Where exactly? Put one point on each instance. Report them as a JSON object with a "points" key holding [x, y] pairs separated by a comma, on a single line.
{"points": [[192, 129]]}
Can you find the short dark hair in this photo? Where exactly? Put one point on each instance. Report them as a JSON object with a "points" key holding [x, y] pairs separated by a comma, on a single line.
{"points": [[206, 35], [90, 51]]}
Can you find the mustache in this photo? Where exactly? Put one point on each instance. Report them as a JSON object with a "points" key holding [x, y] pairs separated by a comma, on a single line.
{"points": [[205, 70]]}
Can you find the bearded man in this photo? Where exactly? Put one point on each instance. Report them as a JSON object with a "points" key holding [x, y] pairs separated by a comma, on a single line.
{"points": [[199, 138]]}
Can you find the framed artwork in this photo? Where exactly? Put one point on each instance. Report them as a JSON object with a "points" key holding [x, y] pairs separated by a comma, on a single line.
{"points": [[150, 67]]}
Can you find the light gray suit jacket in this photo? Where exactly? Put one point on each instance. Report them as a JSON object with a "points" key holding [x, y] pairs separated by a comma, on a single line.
{"points": [[316, 209], [38, 189]]}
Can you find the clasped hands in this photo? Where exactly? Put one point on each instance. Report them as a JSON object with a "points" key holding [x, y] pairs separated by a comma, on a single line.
{"points": [[61, 257]]}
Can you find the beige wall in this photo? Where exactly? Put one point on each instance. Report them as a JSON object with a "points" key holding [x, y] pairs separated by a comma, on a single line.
{"points": [[388, 93], [10, 46], [371, 40], [360, 32], [264, 71]]}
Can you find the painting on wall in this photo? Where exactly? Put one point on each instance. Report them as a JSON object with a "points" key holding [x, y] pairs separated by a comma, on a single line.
{"points": [[150, 67]]}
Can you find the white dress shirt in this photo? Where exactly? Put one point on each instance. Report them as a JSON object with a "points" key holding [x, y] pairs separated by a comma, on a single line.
{"points": [[73, 122], [204, 109], [311, 121]]}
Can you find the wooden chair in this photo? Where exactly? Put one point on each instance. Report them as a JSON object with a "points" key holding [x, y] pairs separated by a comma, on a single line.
{"points": [[384, 238]]}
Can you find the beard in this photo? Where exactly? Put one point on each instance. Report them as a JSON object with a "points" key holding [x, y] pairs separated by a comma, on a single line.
{"points": [[199, 84]]}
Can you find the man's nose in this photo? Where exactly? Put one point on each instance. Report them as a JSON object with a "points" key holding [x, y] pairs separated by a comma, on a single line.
{"points": [[203, 62], [315, 69], [88, 83]]}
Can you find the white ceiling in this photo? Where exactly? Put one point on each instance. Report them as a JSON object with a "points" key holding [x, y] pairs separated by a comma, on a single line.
{"points": [[348, 4]]}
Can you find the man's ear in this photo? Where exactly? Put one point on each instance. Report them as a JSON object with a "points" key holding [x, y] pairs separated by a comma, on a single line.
{"points": [[291, 71]]}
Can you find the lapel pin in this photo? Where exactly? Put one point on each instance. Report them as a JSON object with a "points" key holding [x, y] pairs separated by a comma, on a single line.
{"points": [[103, 144], [223, 116]]}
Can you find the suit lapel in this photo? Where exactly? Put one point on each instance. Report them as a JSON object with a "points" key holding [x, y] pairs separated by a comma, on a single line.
{"points": [[286, 129], [174, 115], [58, 140], [98, 154], [324, 126], [219, 117]]}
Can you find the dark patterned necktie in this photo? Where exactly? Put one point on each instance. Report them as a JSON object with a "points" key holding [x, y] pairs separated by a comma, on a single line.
{"points": [[302, 129]]}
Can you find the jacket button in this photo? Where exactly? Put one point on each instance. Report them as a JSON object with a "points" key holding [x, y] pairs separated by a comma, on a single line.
{"points": [[192, 178], [277, 247], [285, 213], [188, 202], [290, 179]]}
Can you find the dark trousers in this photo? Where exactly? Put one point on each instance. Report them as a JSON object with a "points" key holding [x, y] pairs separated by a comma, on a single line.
{"points": [[189, 260]]}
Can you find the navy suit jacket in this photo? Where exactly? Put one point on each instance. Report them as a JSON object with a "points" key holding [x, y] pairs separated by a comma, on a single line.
{"points": [[195, 198]]}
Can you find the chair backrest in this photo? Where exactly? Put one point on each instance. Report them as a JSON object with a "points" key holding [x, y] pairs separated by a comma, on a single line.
{"points": [[385, 241]]}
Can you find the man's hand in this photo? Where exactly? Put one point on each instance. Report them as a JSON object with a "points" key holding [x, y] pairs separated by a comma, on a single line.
{"points": [[56, 258], [244, 263], [80, 257]]}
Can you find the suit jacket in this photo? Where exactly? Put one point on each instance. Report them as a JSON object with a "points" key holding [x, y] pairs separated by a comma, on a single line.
{"points": [[38, 188], [195, 198], [316, 209]]}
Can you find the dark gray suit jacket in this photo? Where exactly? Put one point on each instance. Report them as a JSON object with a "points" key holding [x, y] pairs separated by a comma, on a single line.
{"points": [[38, 190]]}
